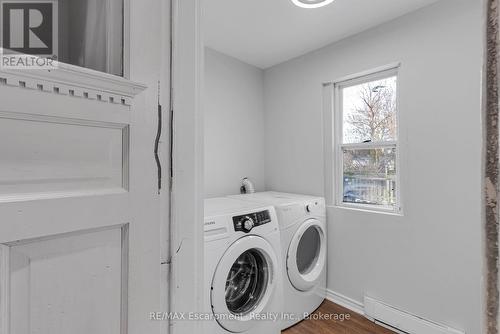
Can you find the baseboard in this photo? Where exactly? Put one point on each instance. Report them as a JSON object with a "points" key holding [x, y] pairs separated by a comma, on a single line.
{"points": [[390, 317], [348, 303], [406, 322]]}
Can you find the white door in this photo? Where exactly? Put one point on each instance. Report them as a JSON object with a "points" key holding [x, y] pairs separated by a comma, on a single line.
{"points": [[66, 206], [83, 228]]}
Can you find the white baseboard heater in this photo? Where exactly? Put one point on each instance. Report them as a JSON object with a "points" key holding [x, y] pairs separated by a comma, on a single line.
{"points": [[404, 322]]}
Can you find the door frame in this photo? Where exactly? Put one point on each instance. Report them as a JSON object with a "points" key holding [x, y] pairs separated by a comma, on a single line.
{"points": [[187, 184]]}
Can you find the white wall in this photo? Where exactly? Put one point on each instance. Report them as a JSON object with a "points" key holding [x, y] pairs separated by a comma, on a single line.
{"points": [[234, 124], [427, 262]]}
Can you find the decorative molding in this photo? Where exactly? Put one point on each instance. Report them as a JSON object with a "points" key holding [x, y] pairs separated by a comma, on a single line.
{"points": [[69, 175], [108, 256], [348, 303], [74, 81]]}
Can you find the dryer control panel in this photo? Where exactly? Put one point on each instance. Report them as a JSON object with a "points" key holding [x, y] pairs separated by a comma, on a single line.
{"points": [[245, 223]]}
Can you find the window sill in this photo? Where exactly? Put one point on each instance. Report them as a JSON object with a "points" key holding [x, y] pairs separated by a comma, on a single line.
{"points": [[366, 209], [74, 81]]}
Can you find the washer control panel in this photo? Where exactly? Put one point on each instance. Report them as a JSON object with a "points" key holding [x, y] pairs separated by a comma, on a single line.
{"points": [[245, 223]]}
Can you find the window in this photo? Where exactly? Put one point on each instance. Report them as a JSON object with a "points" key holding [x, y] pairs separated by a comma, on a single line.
{"points": [[85, 33], [366, 142], [91, 34]]}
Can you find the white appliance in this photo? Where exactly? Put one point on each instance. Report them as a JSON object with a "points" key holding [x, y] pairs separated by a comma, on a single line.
{"points": [[243, 267], [302, 221]]}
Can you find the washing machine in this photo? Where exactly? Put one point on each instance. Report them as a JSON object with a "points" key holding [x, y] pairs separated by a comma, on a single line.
{"points": [[302, 221], [243, 268]]}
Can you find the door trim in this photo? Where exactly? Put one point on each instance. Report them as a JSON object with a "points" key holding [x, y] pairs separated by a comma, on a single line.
{"points": [[186, 210]]}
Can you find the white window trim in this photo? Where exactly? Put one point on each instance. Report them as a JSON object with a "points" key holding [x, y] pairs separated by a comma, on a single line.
{"points": [[333, 138]]}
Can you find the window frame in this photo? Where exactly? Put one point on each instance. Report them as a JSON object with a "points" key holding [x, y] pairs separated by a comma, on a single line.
{"points": [[338, 139]]}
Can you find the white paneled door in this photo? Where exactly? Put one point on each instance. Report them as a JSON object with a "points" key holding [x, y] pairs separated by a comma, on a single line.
{"points": [[65, 205]]}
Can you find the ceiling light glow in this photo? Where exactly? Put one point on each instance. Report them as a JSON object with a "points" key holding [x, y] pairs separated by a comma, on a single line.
{"points": [[312, 3]]}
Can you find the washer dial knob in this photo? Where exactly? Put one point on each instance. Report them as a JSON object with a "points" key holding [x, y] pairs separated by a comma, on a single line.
{"points": [[248, 223]]}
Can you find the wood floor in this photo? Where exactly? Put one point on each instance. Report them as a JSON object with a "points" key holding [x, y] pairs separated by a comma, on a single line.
{"points": [[356, 324]]}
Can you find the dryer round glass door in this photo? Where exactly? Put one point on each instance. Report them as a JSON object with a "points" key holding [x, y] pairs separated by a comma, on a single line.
{"points": [[307, 255], [243, 283]]}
